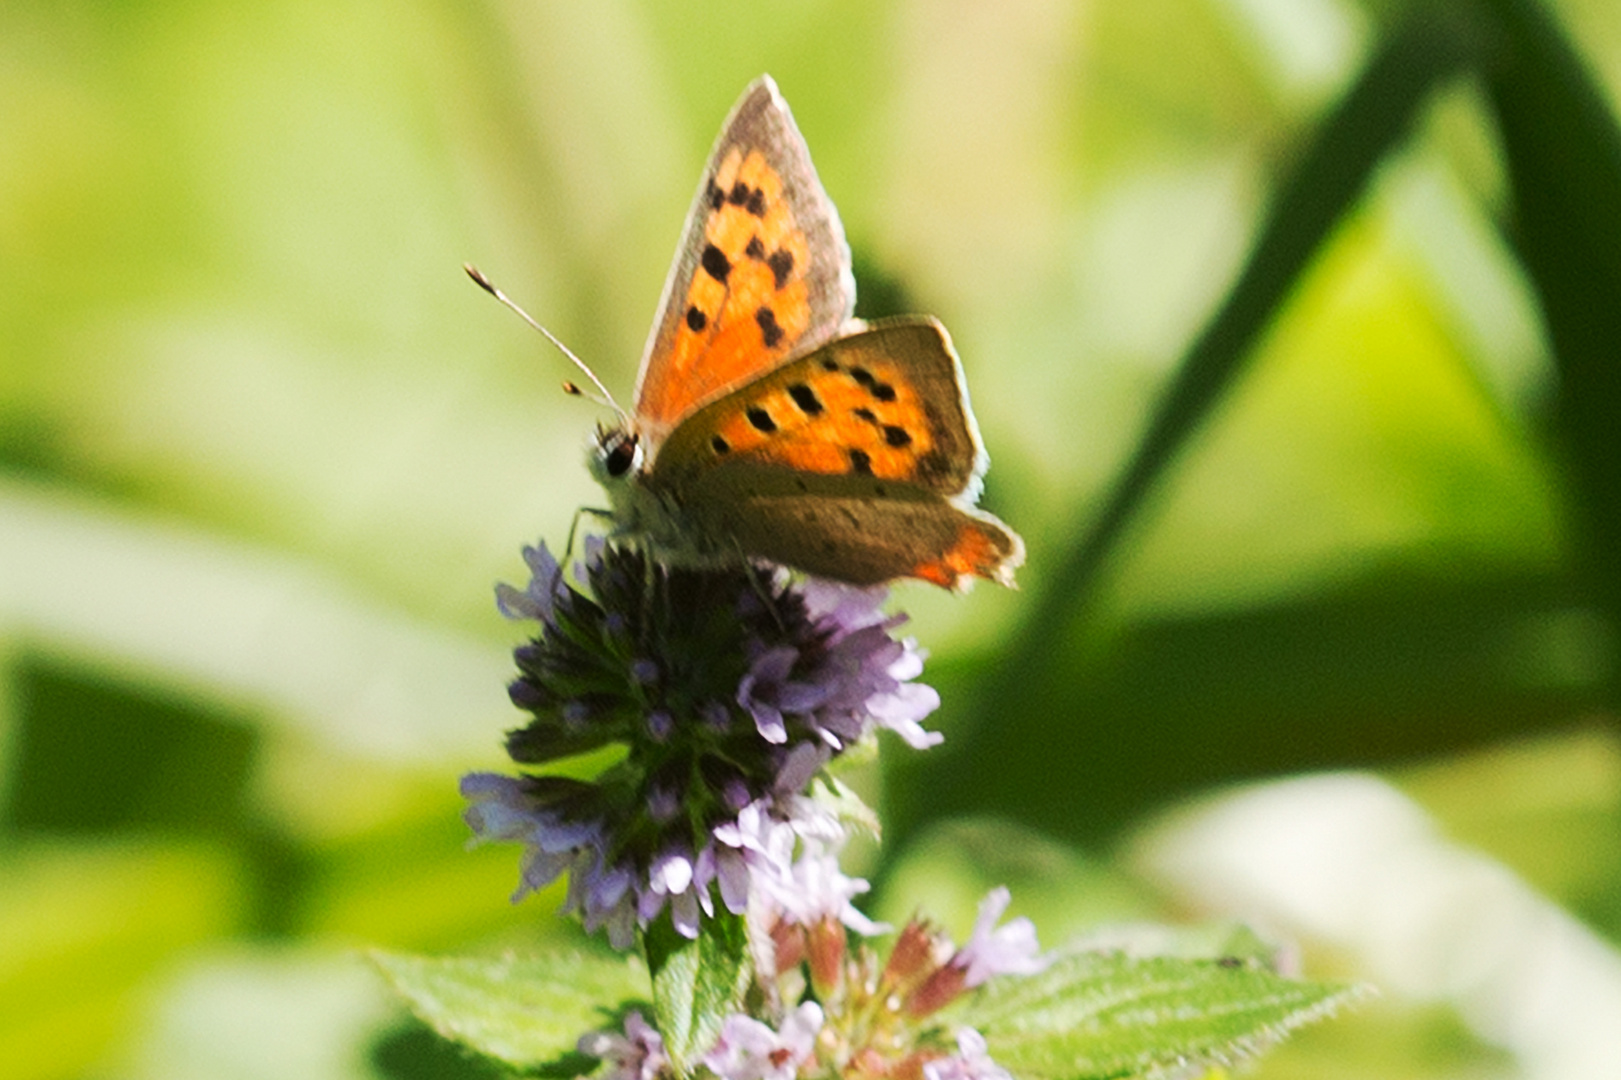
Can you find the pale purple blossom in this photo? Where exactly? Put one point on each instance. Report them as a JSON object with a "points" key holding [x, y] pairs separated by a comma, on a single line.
{"points": [[970, 1062], [500, 809], [503, 808], [1006, 950], [850, 678], [538, 599], [813, 889], [638, 1054], [749, 1049]]}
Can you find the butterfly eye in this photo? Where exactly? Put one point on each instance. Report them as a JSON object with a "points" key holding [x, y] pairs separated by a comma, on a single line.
{"points": [[620, 450]]}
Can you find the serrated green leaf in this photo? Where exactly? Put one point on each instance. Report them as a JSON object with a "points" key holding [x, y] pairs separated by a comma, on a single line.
{"points": [[526, 1012], [1095, 1015], [697, 983]]}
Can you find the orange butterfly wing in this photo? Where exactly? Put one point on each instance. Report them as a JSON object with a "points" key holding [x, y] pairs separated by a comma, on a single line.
{"points": [[886, 402], [762, 273], [859, 461]]}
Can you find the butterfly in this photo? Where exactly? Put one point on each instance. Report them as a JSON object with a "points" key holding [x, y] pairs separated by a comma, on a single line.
{"points": [[769, 423]]}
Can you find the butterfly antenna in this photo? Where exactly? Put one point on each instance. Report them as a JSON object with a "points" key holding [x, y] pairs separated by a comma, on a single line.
{"points": [[568, 388]]}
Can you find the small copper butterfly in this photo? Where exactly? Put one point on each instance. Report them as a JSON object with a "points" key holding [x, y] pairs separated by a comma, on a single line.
{"points": [[771, 424]]}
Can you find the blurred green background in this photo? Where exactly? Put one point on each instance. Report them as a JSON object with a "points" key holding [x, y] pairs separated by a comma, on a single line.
{"points": [[1293, 327]]}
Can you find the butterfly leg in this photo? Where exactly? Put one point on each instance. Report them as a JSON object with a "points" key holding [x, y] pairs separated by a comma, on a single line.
{"points": [[574, 526], [761, 581], [650, 580], [762, 589]]}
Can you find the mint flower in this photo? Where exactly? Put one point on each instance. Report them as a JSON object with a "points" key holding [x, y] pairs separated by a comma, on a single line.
{"points": [[992, 950], [638, 1054], [813, 889], [724, 693], [970, 1062], [751, 1050]]}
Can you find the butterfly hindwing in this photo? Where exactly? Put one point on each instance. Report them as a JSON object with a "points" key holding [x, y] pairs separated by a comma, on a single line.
{"points": [[884, 404], [762, 273], [858, 530]]}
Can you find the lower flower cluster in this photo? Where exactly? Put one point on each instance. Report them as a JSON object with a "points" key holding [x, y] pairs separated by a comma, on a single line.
{"points": [[720, 695], [851, 1015]]}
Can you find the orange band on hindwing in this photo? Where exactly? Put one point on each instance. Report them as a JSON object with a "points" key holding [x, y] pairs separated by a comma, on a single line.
{"points": [[836, 419], [982, 549]]}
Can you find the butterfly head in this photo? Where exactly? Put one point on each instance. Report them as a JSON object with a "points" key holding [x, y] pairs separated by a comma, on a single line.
{"points": [[619, 459], [615, 455]]}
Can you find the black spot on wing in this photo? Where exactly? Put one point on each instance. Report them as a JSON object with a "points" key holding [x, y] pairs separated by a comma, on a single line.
{"points": [[880, 390], [782, 264], [769, 330], [897, 436], [696, 320], [866, 414], [830, 365], [806, 399], [861, 462], [761, 419], [750, 199], [715, 263], [720, 445], [755, 250], [716, 197]]}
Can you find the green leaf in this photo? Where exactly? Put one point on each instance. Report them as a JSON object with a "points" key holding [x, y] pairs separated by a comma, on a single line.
{"points": [[526, 1012], [1094, 1014], [696, 983]]}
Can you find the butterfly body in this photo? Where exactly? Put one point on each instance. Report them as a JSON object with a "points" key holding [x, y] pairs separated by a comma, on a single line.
{"points": [[770, 424]]}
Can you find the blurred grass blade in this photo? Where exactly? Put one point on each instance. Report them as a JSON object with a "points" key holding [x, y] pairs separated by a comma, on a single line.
{"points": [[1563, 152], [1333, 170]]}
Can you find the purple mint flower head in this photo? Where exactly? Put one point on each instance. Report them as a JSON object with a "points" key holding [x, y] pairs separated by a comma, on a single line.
{"points": [[721, 694]]}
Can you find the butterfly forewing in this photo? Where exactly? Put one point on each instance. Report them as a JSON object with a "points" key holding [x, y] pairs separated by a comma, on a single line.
{"points": [[885, 404], [762, 273]]}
